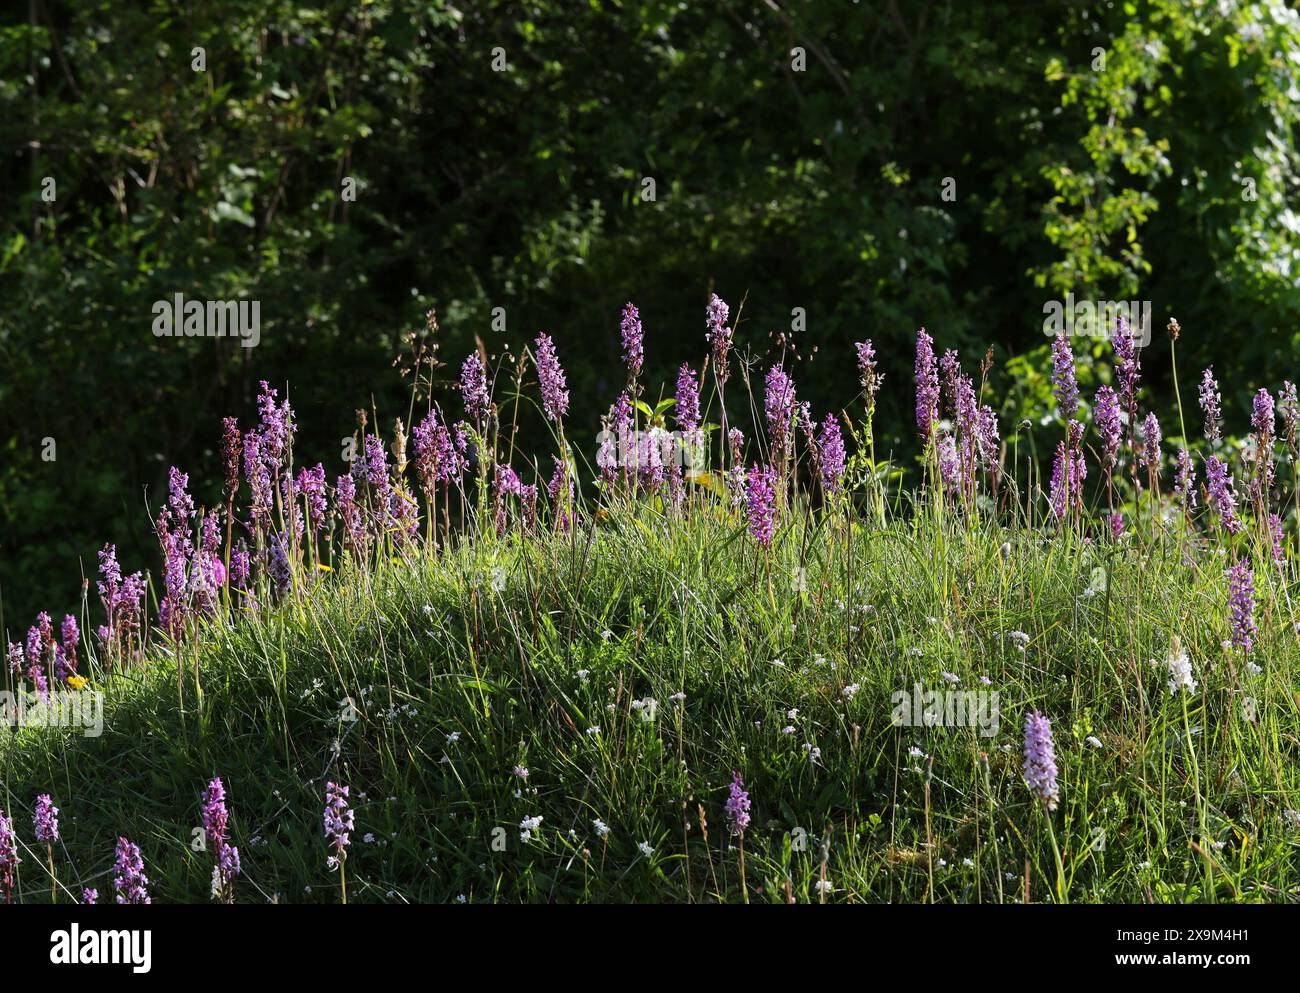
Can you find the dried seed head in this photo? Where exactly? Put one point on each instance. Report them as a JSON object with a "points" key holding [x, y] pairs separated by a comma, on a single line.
{"points": [[399, 444]]}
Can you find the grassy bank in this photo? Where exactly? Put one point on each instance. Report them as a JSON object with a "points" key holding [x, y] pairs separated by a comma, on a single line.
{"points": [[631, 667]]}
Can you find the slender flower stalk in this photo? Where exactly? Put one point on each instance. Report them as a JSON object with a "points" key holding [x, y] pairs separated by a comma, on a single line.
{"points": [[831, 460], [9, 860], [1060, 491], [949, 463], [1263, 422], [871, 379], [688, 399], [1128, 369], [1275, 540], [736, 476], [46, 820], [1185, 481], [737, 806], [66, 651], [474, 390], [761, 505], [550, 377], [231, 450], [1220, 494], [215, 815], [718, 335], [1241, 602], [633, 344], [1149, 453], [1041, 778], [130, 882], [121, 600], [779, 407], [1212, 404], [1288, 408], [867, 373], [46, 823], [927, 385], [687, 412], [338, 823], [1040, 761], [226, 856], [737, 811], [1064, 384]]}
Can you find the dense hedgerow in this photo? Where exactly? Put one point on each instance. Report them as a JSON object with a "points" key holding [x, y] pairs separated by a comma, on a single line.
{"points": [[678, 676]]}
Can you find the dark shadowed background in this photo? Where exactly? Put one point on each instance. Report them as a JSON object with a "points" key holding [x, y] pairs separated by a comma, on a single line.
{"points": [[799, 153]]}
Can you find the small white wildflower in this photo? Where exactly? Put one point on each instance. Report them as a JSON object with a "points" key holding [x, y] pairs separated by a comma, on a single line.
{"points": [[527, 826], [453, 737], [850, 691], [1180, 670], [593, 731], [602, 829], [645, 849], [1093, 741], [824, 886], [646, 707], [583, 674]]}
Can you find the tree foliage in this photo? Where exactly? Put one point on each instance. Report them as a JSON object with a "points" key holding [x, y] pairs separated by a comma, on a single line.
{"points": [[798, 150]]}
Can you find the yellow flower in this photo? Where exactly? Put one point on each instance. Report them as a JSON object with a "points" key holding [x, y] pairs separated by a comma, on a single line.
{"points": [[78, 682]]}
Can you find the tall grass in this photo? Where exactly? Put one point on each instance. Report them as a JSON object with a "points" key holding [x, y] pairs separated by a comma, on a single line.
{"points": [[607, 664]]}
